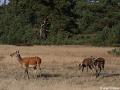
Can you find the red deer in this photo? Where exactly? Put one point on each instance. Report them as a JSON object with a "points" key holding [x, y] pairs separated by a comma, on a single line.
{"points": [[99, 64], [87, 62], [28, 62]]}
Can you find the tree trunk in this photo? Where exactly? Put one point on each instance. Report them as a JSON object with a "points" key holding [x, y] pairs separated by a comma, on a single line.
{"points": [[4, 2]]}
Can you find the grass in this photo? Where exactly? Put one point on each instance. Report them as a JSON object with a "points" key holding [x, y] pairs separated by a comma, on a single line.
{"points": [[59, 69]]}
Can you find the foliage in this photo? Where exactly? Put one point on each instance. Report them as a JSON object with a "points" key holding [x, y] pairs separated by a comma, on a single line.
{"points": [[69, 22]]}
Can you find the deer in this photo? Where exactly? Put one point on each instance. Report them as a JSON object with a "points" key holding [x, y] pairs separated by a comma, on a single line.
{"points": [[27, 62], [88, 63], [99, 64], [96, 63]]}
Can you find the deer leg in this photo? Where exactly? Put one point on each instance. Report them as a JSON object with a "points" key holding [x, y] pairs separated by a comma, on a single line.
{"points": [[87, 68], [24, 74], [97, 73], [94, 67], [91, 68], [103, 66], [26, 71], [100, 69], [39, 69], [35, 72], [82, 68], [97, 69]]}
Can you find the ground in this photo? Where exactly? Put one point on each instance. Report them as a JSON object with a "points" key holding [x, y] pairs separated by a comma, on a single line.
{"points": [[59, 68]]}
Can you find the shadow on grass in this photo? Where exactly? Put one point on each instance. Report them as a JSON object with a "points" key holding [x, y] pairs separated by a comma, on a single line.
{"points": [[22, 44], [47, 75], [110, 74]]}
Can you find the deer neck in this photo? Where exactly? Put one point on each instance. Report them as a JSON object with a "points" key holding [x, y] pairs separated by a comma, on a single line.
{"points": [[19, 58]]}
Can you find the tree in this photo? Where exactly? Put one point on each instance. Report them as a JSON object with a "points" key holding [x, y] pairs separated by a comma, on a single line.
{"points": [[59, 21]]}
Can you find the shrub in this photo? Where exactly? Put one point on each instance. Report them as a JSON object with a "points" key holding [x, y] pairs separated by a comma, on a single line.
{"points": [[115, 52]]}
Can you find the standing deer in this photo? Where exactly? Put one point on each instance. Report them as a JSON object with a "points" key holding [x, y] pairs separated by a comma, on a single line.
{"points": [[88, 63], [92, 62], [99, 65], [28, 62]]}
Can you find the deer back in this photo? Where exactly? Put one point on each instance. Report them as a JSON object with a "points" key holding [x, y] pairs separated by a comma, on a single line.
{"points": [[87, 61], [31, 60]]}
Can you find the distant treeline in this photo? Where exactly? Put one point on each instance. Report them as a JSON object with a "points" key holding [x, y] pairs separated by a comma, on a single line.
{"points": [[60, 22]]}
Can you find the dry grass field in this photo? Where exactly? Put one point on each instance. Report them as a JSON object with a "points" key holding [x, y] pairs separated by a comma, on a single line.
{"points": [[59, 68]]}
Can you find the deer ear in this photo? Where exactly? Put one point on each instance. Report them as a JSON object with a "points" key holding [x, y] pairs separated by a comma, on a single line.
{"points": [[17, 51]]}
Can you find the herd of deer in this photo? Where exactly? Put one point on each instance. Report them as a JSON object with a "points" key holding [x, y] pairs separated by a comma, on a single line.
{"points": [[93, 63], [34, 62]]}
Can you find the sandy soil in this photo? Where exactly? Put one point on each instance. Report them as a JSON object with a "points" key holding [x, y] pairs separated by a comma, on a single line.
{"points": [[59, 68]]}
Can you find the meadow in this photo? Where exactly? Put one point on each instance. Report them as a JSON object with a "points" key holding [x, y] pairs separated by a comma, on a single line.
{"points": [[59, 68]]}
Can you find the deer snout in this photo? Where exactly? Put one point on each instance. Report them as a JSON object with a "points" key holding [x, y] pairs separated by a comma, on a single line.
{"points": [[11, 55]]}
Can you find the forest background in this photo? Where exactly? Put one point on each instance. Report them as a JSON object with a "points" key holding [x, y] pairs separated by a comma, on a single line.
{"points": [[60, 22]]}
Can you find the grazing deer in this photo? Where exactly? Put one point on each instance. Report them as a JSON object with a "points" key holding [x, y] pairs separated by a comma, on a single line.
{"points": [[87, 62], [27, 62], [99, 64]]}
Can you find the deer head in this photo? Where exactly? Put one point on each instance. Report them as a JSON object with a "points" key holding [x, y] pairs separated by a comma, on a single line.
{"points": [[15, 54]]}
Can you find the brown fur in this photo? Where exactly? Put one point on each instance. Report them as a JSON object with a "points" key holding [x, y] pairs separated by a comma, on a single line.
{"points": [[31, 61], [99, 64], [28, 62], [87, 62]]}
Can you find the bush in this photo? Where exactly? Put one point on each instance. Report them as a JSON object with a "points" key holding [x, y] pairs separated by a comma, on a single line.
{"points": [[115, 52]]}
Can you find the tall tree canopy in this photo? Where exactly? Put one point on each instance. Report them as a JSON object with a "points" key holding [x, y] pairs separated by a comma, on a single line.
{"points": [[60, 22]]}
